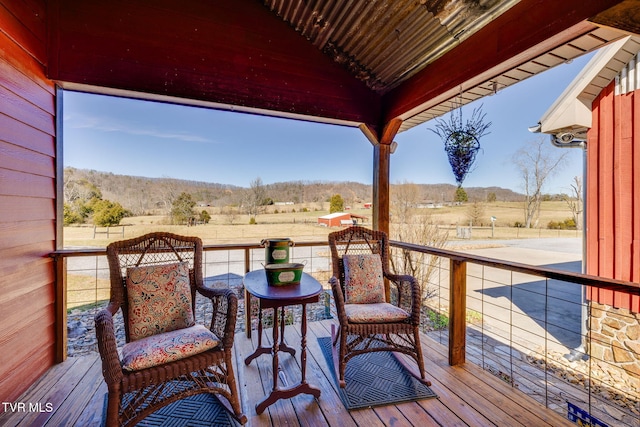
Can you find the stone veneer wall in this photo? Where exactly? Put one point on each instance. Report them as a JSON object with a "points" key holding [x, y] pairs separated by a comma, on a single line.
{"points": [[615, 342]]}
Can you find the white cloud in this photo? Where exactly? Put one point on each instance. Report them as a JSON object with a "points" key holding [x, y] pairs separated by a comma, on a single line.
{"points": [[108, 124]]}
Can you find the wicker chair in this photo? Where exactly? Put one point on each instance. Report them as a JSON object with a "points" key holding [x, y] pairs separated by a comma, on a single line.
{"points": [[377, 310], [169, 357]]}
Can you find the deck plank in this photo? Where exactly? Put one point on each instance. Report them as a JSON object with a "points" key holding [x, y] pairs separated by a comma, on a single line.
{"points": [[443, 415], [91, 416], [308, 408], [467, 395], [391, 415], [452, 405], [361, 417], [59, 392], [249, 381], [78, 399], [412, 411], [558, 390], [37, 392], [509, 398], [281, 412], [319, 374], [454, 390], [305, 406]]}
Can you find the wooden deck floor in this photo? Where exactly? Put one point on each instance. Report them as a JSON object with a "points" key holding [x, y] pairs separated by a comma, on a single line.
{"points": [[467, 396]]}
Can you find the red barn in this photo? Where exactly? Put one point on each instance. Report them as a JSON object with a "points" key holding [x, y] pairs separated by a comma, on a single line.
{"points": [[335, 219]]}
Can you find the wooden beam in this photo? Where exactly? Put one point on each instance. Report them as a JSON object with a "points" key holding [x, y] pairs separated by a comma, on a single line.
{"points": [[381, 142], [390, 131], [370, 133], [529, 29], [225, 53]]}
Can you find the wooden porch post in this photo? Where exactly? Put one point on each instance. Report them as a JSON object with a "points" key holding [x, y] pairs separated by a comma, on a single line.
{"points": [[381, 158], [457, 311], [381, 142]]}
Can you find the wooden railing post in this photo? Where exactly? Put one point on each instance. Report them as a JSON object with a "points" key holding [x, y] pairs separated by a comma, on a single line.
{"points": [[457, 311], [60, 267], [247, 296]]}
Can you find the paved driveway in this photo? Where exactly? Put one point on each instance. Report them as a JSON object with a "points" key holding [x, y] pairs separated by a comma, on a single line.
{"points": [[544, 313]]}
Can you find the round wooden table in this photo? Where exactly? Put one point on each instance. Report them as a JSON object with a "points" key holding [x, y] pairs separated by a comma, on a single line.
{"points": [[278, 297]]}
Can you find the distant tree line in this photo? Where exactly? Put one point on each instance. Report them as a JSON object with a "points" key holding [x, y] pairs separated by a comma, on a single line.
{"points": [[105, 198], [142, 195]]}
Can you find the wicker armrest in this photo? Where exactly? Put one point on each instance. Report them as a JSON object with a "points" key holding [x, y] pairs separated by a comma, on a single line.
{"points": [[409, 293], [338, 297], [225, 313], [108, 348]]}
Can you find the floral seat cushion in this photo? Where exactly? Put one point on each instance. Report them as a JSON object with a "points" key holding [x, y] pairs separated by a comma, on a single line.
{"points": [[363, 279], [375, 313], [159, 298], [167, 347]]}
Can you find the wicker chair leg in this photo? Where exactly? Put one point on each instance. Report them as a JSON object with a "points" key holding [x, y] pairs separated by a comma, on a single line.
{"points": [[343, 355], [419, 358], [233, 387], [335, 336], [338, 353], [113, 410]]}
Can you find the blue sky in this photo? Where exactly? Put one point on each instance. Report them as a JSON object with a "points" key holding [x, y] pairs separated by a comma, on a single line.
{"points": [[141, 138]]}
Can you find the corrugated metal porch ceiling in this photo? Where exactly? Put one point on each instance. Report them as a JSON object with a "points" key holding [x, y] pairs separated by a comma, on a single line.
{"points": [[383, 43]]}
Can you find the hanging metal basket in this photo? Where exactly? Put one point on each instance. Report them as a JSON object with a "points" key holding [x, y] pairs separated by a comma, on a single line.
{"points": [[462, 148], [462, 140]]}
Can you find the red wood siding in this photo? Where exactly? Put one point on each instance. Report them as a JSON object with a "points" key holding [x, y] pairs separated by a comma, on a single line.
{"points": [[613, 194], [27, 199]]}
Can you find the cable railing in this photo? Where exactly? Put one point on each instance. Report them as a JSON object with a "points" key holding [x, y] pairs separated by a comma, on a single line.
{"points": [[532, 327], [528, 325], [85, 274]]}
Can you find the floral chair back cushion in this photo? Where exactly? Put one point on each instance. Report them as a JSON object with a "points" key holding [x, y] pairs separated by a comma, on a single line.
{"points": [[159, 298], [363, 279]]}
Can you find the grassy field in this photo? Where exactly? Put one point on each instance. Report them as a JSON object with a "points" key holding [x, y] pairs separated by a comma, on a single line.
{"points": [[303, 226], [506, 213], [85, 289]]}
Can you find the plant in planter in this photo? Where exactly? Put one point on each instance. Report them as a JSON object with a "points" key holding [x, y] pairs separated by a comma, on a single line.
{"points": [[462, 140]]}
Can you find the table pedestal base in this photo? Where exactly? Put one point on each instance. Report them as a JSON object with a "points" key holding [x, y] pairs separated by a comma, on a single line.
{"points": [[279, 345], [268, 350], [286, 393]]}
